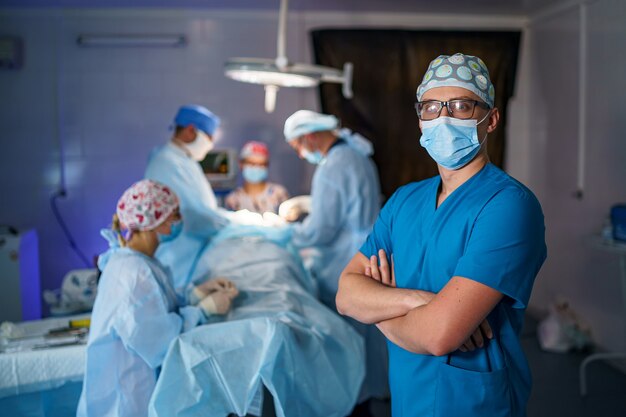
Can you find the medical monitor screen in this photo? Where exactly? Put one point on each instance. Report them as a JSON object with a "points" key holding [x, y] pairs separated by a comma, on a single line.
{"points": [[220, 168], [216, 163]]}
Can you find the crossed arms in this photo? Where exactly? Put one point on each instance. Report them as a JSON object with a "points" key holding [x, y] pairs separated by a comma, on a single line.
{"points": [[418, 321]]}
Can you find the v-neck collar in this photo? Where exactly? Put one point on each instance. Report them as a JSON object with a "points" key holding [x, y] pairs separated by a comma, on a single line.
{"points": [[456, 190]]}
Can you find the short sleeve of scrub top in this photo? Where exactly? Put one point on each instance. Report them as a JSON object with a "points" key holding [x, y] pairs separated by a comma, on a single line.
{"points": [[506, 246], [380, 237]]}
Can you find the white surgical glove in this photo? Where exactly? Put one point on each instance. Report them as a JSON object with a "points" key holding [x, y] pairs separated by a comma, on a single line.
{"points": [[218, 284], [217, 303], [200, 291], [273, 219]]}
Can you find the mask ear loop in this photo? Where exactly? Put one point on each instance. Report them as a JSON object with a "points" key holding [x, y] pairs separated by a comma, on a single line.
{"points": [[306, 148], [126, 234], [482, 120]]}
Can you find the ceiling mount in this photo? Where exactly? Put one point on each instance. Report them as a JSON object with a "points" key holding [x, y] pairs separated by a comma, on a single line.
{"points": [[279, 72]]}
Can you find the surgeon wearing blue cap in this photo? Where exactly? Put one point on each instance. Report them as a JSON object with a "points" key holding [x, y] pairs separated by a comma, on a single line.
{"points": [[447, 272], [176, 164], [345, 200]]}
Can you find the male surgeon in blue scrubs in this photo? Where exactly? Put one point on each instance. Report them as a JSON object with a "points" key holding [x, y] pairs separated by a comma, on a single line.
{"points": [[176, 164], [447, 272]]}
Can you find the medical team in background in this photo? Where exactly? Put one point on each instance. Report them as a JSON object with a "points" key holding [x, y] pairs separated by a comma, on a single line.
{"points": [[164, 223]]}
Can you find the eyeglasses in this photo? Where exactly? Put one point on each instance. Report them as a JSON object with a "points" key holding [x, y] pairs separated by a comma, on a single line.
{"points": [[459, 109], [255, 164]]}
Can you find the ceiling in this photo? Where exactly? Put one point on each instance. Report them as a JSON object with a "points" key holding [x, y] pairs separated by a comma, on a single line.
{"points": [[511, 7]]}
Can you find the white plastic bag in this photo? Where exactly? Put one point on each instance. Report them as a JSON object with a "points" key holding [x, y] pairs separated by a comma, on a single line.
{"points": [[562, 331]]}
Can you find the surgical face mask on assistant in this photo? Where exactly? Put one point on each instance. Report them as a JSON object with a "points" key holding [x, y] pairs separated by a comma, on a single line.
{"points": [[175, 229], [451, 142], [200, 146], [254, 174], [314, 158]]}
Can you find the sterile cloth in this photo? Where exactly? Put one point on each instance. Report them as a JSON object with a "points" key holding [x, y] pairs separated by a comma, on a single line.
{"points": [[25, 371], [278, 334]]}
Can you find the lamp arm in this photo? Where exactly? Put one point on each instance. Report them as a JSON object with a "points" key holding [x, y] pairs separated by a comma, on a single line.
{"points": [[281, 58], [346, 87]]}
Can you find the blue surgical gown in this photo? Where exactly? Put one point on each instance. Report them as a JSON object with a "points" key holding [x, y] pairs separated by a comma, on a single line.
{"points": [[134, 320], [202, 218], [489, 230], [345, 200]]}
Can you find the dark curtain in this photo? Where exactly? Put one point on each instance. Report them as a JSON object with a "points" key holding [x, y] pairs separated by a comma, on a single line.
{"points": [[388, 67]]}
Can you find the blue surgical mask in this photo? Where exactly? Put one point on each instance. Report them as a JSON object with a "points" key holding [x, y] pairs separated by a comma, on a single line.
{"points": [[254, 174], [314, 158], [175, 229], [451, 142]]}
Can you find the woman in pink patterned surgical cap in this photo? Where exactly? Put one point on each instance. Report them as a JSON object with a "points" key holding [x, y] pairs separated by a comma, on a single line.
{"points": [[256, 194], [147, 213], [137, 313]]}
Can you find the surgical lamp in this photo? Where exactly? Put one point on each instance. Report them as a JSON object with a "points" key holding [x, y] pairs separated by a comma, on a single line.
{"points": [[279, 72]]}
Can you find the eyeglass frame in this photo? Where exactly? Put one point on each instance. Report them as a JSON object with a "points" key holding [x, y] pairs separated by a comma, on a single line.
{"points": [[445, 104]]}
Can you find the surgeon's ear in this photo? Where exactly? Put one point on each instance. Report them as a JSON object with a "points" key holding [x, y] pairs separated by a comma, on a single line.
{"points": [[308, 139], [188, 134], [494, 118]]}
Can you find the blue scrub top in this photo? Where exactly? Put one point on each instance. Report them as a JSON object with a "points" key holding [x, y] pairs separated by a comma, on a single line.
{"points": [[490, 230]]}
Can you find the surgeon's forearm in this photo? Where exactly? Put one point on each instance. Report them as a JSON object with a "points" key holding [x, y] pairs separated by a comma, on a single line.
{"points": [[368, 301], [447, 321], [399, 331], [419, 332]]}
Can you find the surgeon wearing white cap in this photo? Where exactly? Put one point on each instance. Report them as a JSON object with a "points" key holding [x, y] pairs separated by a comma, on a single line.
{"points": [[345, 201], [176, 164]]}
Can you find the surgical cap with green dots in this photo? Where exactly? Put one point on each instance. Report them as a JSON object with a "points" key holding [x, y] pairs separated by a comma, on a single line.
{"points": [[459, 70]]}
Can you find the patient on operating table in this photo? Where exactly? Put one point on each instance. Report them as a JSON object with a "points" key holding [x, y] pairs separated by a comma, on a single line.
{"points": [[137, 314]]}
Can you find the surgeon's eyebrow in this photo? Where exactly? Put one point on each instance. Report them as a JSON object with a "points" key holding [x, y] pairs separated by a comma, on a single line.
{"points": [[463, 98]]}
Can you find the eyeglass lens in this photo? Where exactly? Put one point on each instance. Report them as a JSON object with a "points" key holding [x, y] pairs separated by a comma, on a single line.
{"points": [[460, 109]]}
